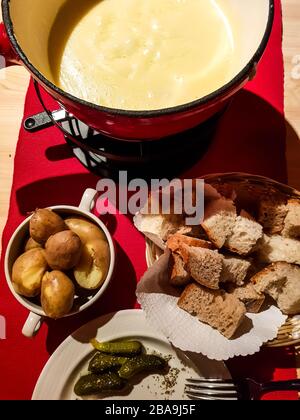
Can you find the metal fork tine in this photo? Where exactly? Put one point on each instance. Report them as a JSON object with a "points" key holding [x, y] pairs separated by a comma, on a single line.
{"points": [[210, 391], [211, 384], [196, 396], [211, 380]]}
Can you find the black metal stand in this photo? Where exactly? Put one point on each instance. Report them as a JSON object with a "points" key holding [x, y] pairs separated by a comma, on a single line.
{"points": [[106, 156]]}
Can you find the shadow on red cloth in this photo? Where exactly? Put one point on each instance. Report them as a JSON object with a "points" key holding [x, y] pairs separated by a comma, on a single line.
{"points": [[59, 152], [241, 145], [60, 190]]}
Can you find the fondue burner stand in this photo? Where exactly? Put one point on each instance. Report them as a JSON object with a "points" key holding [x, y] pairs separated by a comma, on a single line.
{"points": [[105, 156]]}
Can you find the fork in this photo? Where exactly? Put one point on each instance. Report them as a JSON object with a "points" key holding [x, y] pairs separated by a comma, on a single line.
{"points": [[227, 389]]}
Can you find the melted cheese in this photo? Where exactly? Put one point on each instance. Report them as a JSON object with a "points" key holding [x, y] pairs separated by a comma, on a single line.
{"points": [[144, 54]]}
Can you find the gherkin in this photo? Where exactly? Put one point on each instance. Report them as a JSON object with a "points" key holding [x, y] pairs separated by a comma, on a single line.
{"points": [[118, 347], [95, 384], [102, 362], [114, 364], [144, 362]]}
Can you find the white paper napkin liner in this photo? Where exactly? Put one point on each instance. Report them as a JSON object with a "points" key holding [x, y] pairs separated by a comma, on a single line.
{"points": [[159, 302]]}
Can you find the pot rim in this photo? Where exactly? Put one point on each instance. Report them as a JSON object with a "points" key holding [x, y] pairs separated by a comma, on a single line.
{"points": [[139, 114]]}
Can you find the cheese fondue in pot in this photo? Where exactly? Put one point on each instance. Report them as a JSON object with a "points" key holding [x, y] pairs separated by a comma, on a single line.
{"points": [[143, 54]]}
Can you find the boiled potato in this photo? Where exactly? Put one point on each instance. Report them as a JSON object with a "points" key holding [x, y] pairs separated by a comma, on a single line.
{"points": [[28, 271], [87, 231], [63, 250], [32, 244], [43, 224], [57, 295], [92, 268]]}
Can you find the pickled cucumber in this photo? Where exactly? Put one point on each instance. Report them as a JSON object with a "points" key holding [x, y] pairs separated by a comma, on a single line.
{"points": [[129, 348], [102, 362], [95, 384], [144, 362]]}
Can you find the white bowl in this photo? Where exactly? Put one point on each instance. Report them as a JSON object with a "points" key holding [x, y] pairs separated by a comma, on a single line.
{"points": [[15, 249]]}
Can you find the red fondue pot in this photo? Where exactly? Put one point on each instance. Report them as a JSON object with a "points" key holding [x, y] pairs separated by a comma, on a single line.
{"points": [[24, 40]]}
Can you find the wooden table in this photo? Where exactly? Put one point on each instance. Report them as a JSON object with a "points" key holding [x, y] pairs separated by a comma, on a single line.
{"points": [[14, 82]]}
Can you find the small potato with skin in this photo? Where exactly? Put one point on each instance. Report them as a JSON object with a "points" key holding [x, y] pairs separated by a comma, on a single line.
{"points": [[92, 268], [57, 296], [43, 224], [32, 244], [63, 250], [28, 271], [86, 230]]}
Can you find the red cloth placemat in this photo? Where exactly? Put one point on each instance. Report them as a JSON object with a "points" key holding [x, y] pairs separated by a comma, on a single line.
{"points": [[250, 138]]}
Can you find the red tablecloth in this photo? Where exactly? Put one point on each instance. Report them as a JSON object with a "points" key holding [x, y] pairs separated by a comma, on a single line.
{"points": [[250, 138]]}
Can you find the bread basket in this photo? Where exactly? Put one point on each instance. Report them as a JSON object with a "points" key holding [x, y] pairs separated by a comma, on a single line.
{"points": [[252, 186]]}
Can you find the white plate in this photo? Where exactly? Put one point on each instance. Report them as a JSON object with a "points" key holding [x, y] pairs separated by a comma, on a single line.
{"points": [[70, 360]]}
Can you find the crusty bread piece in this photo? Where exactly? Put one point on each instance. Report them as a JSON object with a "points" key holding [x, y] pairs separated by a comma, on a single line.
{"points": [[195, 231], [177, 274], [234, 270], [219, 219], [245, 234], [255, 267], [249, 296], [281, 281], [204, 265], [271, 214], [161, 225], [247, 215], [175, 242], [172, 224], [291, 227], [216, 308], [276, 248]]}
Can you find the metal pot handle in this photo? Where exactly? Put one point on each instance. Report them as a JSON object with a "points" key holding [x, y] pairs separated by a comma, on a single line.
{"points": [[7, 55], [76, 140]]}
